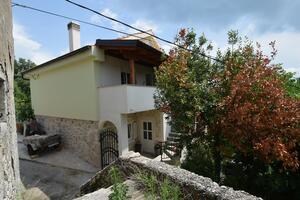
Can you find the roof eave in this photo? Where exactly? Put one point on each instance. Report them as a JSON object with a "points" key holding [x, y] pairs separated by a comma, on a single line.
{"points": [[78, 51]]}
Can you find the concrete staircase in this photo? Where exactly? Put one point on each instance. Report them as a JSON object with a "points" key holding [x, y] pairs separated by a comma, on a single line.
{"points": [[172, 147]]}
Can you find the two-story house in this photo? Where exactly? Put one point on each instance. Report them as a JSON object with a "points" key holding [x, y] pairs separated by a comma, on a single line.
{"points": [[100, 97]]}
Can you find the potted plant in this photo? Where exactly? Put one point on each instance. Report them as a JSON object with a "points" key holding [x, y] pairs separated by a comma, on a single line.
{"points": [[138, 146]]}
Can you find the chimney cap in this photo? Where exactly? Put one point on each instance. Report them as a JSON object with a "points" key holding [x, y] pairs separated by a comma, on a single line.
{"points": [[73, 25]]}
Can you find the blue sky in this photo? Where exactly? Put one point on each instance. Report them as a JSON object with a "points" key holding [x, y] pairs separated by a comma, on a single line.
{"points": [[41, 37]]}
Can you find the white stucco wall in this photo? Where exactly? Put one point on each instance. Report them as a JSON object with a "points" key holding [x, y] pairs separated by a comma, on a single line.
{"points": [[67, 92], [67, 88], [159, 127], [166, 126], [110, 71], [125, 99]]}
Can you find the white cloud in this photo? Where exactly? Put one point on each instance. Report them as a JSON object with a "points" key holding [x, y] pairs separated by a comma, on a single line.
{"points": [[25, 47], [287, 44], [140, 23], [109, 13], [97, 19], [166, 47], [145, 25]]}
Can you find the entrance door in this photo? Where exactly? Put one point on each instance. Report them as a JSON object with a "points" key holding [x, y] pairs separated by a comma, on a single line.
{"points": [[131, 129], [147, 136]]}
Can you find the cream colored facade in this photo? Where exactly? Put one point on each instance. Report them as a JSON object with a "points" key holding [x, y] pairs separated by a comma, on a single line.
{"points": [[87, 86], [67, 89]]}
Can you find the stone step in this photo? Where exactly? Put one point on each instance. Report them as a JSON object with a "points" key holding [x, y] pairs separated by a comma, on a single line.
{"points": [[170, 154], [137, 195], [173, 134], [102, 194], [172, 143], [172, 148], [174, 139]]}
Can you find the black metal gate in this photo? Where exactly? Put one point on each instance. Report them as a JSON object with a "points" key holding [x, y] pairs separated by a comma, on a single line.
{"points": [[109, 146]]}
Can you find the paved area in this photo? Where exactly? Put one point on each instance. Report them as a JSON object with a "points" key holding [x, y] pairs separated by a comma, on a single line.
{"points": [[59, 174], [56, 182], [63, 158]]}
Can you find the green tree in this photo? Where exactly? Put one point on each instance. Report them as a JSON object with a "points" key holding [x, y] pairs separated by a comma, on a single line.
{"points": [[225, 104], [22, 90], [187, 92]]}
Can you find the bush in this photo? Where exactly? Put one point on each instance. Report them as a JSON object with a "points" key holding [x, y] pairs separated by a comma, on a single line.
{"points": [[269, 181], [200, 159], [153, 188], [119, 189]]}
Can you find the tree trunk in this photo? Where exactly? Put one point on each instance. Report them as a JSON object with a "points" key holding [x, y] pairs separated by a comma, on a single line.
{"points": [[9, 161]]}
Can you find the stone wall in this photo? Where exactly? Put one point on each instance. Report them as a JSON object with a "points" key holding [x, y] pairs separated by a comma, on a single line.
{"points": [[192, 185], [10, 184], [81, 136]]}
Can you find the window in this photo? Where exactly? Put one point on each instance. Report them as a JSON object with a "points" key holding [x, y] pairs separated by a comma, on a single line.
{"points": [[147, 130], [129, 130], [150, 80], [125, 78], [2, 101]]}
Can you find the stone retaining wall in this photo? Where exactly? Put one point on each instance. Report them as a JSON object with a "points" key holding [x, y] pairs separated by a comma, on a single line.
{"points": [[192, 185], [10, 183], [81, 136]]}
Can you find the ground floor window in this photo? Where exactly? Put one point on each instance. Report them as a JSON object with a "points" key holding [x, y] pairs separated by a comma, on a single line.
{"points": [[129, 130], [147, 130]]}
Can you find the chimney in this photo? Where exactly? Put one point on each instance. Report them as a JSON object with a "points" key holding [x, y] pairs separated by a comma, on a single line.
{"points": [[74, 36]]}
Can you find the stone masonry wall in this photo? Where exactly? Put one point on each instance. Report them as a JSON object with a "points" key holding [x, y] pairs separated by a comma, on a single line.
{"points": [[10, 184], [81, 136], [192, 185]]}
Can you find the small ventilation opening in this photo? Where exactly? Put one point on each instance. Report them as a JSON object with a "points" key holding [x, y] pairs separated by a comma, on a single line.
{"points": [[2, 101]]}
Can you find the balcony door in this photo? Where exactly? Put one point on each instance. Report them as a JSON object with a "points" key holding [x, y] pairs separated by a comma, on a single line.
{"points": [[147, 137]]}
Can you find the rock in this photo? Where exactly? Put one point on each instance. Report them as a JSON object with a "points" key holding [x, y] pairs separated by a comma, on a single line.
{"points": [[183, 156], [35, 194]]}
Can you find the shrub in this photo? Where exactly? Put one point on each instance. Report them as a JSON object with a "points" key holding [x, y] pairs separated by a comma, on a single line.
{"points": [[119, 189]]}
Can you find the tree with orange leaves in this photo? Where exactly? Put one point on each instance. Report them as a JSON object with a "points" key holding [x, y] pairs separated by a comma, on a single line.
{"points": [[258, 114], [238, 105]]}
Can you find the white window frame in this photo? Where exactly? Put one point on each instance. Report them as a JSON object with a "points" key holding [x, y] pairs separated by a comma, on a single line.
{"points": [[147, 131]]}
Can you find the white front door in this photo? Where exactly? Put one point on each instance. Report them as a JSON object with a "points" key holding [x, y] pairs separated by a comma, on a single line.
{"points": [[147, 137]]}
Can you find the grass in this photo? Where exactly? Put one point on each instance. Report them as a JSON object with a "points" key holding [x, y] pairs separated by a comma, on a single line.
{"points": [[155, 189], [119, 189]]}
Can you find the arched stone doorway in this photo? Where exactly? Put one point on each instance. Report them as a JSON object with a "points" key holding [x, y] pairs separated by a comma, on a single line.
{"points": [[108, 143]]}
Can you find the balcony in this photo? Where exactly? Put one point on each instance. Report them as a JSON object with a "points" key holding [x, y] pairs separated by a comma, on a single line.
{"points": [[125, 99]]}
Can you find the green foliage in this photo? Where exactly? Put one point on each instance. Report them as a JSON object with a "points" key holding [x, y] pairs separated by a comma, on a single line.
{"points": [[169, 191], [22, 90], [184, 89], [149, 182], [200, 159], [292, 85], [119, 189], [249, 173], [230, 113], [165, 190]]}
